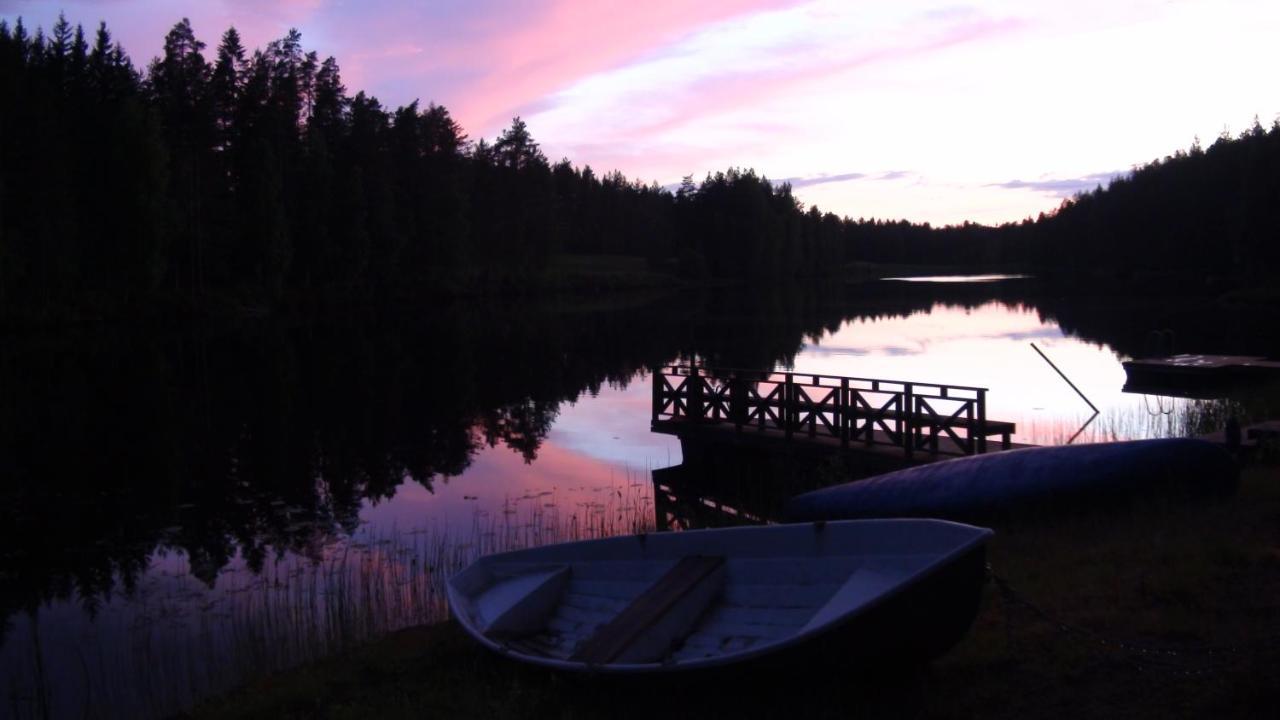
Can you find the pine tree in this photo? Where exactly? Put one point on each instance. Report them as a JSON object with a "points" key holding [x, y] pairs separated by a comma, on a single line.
{"points": [[78, 60], [179, 83], [21, 43], [100, 65], [224, 87], [516, 149], [329, 108], [60, 45]]}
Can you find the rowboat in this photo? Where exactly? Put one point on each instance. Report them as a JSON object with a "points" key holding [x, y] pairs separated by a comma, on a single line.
{"points": [[1047, 479], [839, 592]]}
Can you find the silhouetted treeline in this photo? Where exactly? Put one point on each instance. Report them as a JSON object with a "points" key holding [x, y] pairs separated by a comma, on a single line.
{"points": [[253, 180], [1210, 213]]}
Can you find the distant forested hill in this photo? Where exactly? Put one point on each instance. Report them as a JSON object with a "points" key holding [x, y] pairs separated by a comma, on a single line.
{"points": [[1209, 214]]}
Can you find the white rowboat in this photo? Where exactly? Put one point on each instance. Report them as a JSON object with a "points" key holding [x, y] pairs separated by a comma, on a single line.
{"points": [[852, 590]]}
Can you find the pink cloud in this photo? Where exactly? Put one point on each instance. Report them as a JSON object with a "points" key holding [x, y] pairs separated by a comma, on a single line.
{"points": [[511, 65], [720, 93], [486, 61]]}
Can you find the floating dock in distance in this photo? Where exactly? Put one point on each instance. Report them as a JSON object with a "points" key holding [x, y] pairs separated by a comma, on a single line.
{"points": [[1192, 375]]}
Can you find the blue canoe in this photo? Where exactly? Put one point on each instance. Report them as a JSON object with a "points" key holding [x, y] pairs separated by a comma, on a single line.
{"points": [[983, 486]]}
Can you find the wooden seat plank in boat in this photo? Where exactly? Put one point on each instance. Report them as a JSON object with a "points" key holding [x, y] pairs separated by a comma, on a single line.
{"points": [[659, 616]]}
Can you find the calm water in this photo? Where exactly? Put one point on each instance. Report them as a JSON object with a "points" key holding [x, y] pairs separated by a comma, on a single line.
{"points": [[957, 278], [195, 511]]}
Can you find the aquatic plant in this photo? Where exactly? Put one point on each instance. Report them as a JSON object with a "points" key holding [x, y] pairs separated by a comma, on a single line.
{"points": [[157, 650]]}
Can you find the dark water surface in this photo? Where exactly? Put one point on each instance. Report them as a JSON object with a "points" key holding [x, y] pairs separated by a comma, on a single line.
{"points": [[180, 513]]}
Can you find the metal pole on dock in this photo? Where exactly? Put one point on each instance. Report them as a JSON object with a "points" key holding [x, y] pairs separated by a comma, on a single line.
{"points": [[1064, 377]]}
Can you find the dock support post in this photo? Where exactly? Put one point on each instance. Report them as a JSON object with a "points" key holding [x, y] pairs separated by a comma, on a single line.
{"points": [[657, 394]]}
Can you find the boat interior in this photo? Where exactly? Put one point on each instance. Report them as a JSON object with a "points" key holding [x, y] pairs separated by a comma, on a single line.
{"points": [[669, 610]]}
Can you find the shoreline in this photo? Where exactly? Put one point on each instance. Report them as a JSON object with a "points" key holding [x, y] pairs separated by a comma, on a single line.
{"points": [[1166, 576]]}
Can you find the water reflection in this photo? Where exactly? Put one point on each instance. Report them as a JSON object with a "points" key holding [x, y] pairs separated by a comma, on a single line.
{"points": [[990, 346], [224, 502], [957, 278]]}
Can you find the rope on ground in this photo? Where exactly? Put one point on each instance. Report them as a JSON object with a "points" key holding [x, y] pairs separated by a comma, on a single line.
{"points": [[1189, 660]]}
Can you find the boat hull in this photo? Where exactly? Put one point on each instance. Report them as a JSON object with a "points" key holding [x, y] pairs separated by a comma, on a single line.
{"points": [[1049, 479], [903, 600]]}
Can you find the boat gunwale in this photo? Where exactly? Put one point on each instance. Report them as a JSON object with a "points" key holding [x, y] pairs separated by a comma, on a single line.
{"points": [[940, 561]]}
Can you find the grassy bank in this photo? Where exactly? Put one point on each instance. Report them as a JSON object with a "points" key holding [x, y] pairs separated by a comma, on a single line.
{"points": [[1168, 610]]}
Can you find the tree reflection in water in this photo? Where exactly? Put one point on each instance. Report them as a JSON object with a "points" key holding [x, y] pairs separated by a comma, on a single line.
{"points": [[225, 470]]}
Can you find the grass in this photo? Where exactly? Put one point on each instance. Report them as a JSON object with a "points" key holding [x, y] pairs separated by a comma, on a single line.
{"points": [[1096, 597]]}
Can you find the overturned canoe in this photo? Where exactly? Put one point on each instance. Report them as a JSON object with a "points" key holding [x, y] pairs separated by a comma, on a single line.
{"points": [[838, 592], [985, 486]]}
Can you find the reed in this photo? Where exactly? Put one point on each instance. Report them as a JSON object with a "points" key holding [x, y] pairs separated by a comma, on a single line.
{"points": [[173, 641], [1151, 417]]}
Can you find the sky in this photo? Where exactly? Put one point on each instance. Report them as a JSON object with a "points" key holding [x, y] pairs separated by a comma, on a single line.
{"points": [[930, 110]]}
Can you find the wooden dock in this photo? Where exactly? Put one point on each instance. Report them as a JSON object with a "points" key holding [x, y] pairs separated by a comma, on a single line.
{"points": [[911, 421]]}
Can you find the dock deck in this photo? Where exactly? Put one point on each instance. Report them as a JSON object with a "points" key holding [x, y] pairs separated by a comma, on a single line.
{"points": [[881, 443]]}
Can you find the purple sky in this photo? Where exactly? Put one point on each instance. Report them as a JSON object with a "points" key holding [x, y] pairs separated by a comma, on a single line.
{"points": [[987, 110]]}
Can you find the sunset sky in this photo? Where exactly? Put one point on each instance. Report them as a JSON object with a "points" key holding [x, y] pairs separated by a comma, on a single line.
{"points": [[933, 111]]}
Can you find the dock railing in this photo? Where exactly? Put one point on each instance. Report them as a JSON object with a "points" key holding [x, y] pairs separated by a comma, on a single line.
{"points": [[915, 416]]}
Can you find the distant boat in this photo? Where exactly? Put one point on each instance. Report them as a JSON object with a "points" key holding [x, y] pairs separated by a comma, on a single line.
{"points": [[981, 487], [840, 592]]}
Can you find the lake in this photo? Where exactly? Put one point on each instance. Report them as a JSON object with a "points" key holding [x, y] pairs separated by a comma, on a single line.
{"points": [[186, 511]]}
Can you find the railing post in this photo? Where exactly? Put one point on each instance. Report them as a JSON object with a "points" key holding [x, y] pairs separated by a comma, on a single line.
{"points": [[905, 431], [982, 420], [695, 394], [842, 406], [813, 416], [935, 429], [763, 414], [737, 402], [788, 402]]}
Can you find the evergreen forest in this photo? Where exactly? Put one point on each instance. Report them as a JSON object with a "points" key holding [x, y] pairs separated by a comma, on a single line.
{"points": [[227, 178]]}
